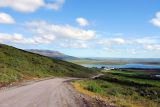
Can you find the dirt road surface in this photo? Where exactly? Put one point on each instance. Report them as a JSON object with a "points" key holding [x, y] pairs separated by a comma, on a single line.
{"points": [[49, 93]]}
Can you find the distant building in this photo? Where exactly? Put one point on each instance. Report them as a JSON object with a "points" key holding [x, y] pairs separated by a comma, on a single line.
{"points": [[157, 76], [107, 68]]}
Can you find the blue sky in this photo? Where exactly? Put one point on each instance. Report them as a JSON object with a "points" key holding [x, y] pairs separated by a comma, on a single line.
{"points": [[83, 28]]}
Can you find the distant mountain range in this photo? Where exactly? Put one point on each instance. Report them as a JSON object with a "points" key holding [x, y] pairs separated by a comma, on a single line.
{"points": [[95, 60], [53, 54]]}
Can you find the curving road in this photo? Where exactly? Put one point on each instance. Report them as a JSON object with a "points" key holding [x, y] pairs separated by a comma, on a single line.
{"points": [[49, 93]]}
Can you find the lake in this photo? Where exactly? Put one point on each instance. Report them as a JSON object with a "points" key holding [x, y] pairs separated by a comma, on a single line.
{"points": [[141, 66]]}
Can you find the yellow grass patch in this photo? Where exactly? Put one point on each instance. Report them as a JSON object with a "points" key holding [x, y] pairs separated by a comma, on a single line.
{"points": [[80, 89]]}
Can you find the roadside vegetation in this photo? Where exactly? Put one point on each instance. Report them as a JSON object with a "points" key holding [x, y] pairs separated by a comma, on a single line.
{"points": [[17, 65], [124, 88]]}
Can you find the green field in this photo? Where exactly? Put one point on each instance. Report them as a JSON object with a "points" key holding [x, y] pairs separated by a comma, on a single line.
{"points": [[114, 61], [126, 89], [108, 62], [17, 65]]}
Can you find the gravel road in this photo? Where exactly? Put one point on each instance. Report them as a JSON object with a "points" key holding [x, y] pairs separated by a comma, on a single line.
{"points": [[49, 93]]}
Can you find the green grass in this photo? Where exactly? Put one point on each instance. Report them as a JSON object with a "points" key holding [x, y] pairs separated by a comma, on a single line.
{"points": [[90, 61], [92, 86], [126, 89], [130, 80], [16, 65]]}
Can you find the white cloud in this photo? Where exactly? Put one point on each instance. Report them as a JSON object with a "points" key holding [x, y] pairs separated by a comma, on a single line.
{"points": [[19, 38], [6, 18], [42, 32], [42, 28], [112, 41], [82, 21], [4, 37], [147, 40], [130, 51], [55, 6], [22, 5], [152, 47], [156, 21], [74, 44], [119, 40], [30, 5], [149, 43]]}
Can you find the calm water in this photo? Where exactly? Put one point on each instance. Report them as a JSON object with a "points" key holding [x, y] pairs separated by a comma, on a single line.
{"points": [[143, 66]]}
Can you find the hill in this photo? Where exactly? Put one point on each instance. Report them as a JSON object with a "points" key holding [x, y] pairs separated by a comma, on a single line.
{"points": [[53, 54], [17, 65]]}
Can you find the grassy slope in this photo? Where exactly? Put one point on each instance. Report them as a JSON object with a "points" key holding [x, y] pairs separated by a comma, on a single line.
{"points": [[16, 65], [126, 89]]}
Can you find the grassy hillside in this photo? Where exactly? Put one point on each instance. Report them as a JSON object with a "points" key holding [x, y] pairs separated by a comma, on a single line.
{"points": [[16, 65]]}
